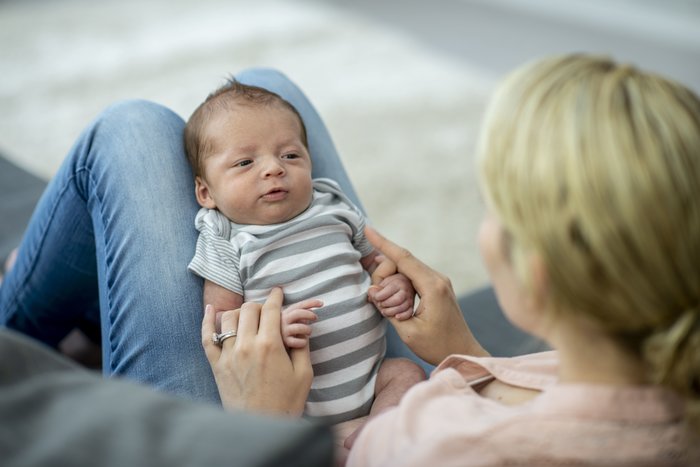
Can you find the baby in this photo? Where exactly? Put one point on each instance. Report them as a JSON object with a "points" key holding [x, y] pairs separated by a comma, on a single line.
{"points": [[265, 223]]}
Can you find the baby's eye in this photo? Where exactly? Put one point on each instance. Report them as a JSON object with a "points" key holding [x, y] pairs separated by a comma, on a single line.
{"points": [[291, 156], [243, 163]]}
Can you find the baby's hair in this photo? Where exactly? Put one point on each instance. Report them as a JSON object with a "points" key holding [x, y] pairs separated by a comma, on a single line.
{"points": [[225, 98], [595, 166]]}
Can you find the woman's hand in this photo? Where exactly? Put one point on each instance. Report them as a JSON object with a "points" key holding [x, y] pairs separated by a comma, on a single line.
{"points": [[253, 370], [438, 328]]}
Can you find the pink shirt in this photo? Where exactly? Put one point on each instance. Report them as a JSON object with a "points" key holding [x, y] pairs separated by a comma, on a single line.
{"points": [[444, 422]]}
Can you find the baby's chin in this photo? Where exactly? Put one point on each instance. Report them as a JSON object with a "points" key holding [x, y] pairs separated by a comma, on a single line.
{"points": [[273, 216]]}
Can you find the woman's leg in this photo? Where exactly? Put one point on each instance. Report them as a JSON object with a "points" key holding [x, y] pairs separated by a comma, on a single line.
{"points": [[119, 213]]}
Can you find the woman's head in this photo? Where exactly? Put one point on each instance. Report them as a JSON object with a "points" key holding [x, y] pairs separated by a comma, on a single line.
{"points": [[595, 168]]}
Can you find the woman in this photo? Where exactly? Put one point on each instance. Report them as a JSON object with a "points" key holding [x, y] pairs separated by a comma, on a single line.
{"points": [[591, 171]]}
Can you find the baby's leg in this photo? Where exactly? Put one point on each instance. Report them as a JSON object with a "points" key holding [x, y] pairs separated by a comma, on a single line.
{"points": [[395, 377]]}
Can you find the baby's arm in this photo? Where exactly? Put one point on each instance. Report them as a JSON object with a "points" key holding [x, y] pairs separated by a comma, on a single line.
{"points": [[221, 299], [391, 292]]}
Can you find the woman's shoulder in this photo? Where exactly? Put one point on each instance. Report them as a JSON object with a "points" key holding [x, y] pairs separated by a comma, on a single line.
{"points": [[443, 421]]}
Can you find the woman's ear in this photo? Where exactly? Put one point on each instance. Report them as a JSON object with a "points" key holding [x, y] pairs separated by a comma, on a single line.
{"points": [[202, 193]]}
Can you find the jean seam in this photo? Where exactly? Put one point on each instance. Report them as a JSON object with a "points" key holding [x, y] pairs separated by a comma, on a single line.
{"points": [[96, 196]]}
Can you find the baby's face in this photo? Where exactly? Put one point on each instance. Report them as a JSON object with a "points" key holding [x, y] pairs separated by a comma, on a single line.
{"points": [[259, 171]]}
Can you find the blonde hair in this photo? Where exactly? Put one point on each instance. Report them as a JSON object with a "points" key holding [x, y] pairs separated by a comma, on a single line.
{"points": [[596, 167]]}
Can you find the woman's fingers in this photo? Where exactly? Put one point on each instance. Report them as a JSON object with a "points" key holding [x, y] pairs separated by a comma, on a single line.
{"points": [[248, 320], [229, 322], [270, 315], [255, 371], [301, 363], [212, 322], [437, 329], [384, 269], [212, 350], [407, 264]]}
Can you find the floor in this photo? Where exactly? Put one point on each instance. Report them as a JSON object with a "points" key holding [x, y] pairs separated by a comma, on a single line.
{"points": [[402, 84]]}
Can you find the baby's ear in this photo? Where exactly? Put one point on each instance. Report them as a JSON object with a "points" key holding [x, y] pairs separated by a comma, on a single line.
{"points": [[201, 192]]}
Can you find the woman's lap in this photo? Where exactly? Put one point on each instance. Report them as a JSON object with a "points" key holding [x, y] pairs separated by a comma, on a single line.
{"points": [[119, 214], [114, 232]]}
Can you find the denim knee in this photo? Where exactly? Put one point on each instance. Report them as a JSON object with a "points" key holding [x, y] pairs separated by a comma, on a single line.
{"points": [[139, 112]]}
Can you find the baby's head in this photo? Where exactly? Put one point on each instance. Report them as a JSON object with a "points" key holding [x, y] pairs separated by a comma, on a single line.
{"points": [[595, 167], [248, 150]]}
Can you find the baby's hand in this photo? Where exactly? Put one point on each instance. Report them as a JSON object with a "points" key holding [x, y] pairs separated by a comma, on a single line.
{"points": [[394, 297], [296, 323]]}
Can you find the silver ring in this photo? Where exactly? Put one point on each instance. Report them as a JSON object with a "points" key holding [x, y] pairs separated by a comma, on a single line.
{"points": [[219, 339]]}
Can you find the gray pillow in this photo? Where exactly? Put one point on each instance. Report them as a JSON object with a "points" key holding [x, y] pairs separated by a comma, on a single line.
{"points": [[56, 413]]}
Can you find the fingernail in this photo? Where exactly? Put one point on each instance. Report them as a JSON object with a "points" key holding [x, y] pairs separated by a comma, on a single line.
{"points": [[208, 308]]}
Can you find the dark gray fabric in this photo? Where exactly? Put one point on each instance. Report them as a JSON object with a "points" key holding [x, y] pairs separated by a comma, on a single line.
{"points": [[19, 192], [55, 413]]}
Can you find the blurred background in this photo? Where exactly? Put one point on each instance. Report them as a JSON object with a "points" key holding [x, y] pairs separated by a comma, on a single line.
{"points": [[402, 84]]}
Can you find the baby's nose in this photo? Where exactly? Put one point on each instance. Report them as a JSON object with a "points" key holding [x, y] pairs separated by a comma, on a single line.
{"points": [[273, 167]]}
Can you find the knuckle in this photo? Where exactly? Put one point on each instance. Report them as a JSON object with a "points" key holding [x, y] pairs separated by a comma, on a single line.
{"points": [[206, 342], [267, 344], [243, 351], [306, 373], [442, 283], [403, 254]]}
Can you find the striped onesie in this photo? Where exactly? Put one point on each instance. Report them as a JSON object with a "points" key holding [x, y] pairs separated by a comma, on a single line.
{"points": [[315, 255]]}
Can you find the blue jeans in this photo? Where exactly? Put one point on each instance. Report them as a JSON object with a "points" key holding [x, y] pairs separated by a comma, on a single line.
{"points": [[112, 236]]}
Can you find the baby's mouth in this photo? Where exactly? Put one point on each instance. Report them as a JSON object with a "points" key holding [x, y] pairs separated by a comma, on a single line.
{"points": [[275, 194]]}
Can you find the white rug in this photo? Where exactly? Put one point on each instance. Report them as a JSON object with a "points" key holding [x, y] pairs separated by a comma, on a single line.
{"points": [[403, 118]]}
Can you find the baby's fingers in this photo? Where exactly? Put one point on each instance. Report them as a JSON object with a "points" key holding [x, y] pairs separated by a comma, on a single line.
{"points": [[391, 311], [296, 335], [298, 315], [398, 299], [383, 292], [309, 304], [403, 316], [298, 329], [294, 342]]}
